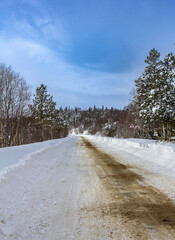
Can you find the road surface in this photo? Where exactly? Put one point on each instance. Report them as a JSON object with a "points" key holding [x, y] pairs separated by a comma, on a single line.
{"points": [[76, 190]]}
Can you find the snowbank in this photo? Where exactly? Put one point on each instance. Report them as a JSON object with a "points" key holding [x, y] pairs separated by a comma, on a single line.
{"points": [[39, 192], [151, 152], [161, 154], [12, 157]]}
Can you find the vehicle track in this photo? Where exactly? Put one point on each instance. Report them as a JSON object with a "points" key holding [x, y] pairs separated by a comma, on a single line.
{"points": [[144, 210]]}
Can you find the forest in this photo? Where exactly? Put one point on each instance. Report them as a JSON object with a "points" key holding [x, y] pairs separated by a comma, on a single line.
{"points": [[26, 119]]}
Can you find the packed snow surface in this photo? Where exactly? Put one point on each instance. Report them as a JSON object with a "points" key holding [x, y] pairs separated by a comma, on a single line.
{"points": [[45, 185], [157, 154], [36, 189]]}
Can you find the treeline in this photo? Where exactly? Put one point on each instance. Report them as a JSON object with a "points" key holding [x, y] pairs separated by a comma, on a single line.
{"points": [[110, 122], [24, 122], [152, 109]]}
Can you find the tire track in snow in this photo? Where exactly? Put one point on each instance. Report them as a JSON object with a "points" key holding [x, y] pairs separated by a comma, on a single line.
{"points": [[145, 211]]}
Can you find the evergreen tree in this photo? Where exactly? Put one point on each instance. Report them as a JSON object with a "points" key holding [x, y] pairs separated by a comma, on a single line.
{"points": [[62, 117], [167, 96], [155, 97], [145, 90], [43, 110]]}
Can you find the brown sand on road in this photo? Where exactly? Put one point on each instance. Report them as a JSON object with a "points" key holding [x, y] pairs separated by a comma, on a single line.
{"points": [[125, 202]]}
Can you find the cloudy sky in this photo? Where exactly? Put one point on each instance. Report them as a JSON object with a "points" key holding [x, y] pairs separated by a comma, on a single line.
{"points": [[86, 51]]}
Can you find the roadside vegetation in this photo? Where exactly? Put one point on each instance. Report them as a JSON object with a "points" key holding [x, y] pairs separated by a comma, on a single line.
{"points": [[152, 109]]}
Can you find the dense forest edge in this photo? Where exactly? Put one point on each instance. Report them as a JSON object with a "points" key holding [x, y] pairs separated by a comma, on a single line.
{"points": [[151, 110]]}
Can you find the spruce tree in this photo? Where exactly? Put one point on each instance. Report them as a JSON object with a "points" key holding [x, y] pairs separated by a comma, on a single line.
{"points": [[43, 110], [146, 86], [167, 96], [155, 95]]}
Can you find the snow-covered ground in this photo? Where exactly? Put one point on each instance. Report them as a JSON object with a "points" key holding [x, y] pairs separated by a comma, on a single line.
{"points": [[43, 186], [143, 151], [157, 158], [16, 155], [36, 191]]}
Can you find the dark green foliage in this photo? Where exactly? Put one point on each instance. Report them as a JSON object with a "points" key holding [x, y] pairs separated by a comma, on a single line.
{"points": [[155, 96], [48, 120]]}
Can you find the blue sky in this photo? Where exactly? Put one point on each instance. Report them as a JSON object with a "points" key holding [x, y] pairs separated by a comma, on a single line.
{"points": [[86, 51]]}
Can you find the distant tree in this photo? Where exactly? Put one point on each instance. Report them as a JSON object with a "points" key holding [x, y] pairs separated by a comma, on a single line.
{"points": [[90, 109], [95, 108], [102, 109], [62, 117], [76, 110], [110, 128]]}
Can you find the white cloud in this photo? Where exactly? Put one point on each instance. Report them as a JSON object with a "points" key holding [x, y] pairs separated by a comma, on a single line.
{"points": [[22, 29], [24, 45], [40, 21], [52, 29], [18, 47], [39, 64]]}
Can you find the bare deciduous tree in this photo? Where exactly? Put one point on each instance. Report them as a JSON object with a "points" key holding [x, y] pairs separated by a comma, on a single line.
{"points": [[14, 98]]}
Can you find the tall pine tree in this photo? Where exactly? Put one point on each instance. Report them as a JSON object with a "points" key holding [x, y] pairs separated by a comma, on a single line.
{"points": [[145, 91], [167, 96], [43, 111], [155, 95]]}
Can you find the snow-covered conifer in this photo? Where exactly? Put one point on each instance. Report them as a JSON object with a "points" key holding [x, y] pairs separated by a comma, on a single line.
{"points": [[155, 94]]}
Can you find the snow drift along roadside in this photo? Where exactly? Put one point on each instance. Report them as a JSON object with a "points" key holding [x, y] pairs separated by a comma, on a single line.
{"points": [[12, 157], [161, 154]]}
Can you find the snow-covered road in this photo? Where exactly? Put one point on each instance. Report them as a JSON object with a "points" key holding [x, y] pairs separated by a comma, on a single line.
{"points": [[38, 197], [85, 188]]}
